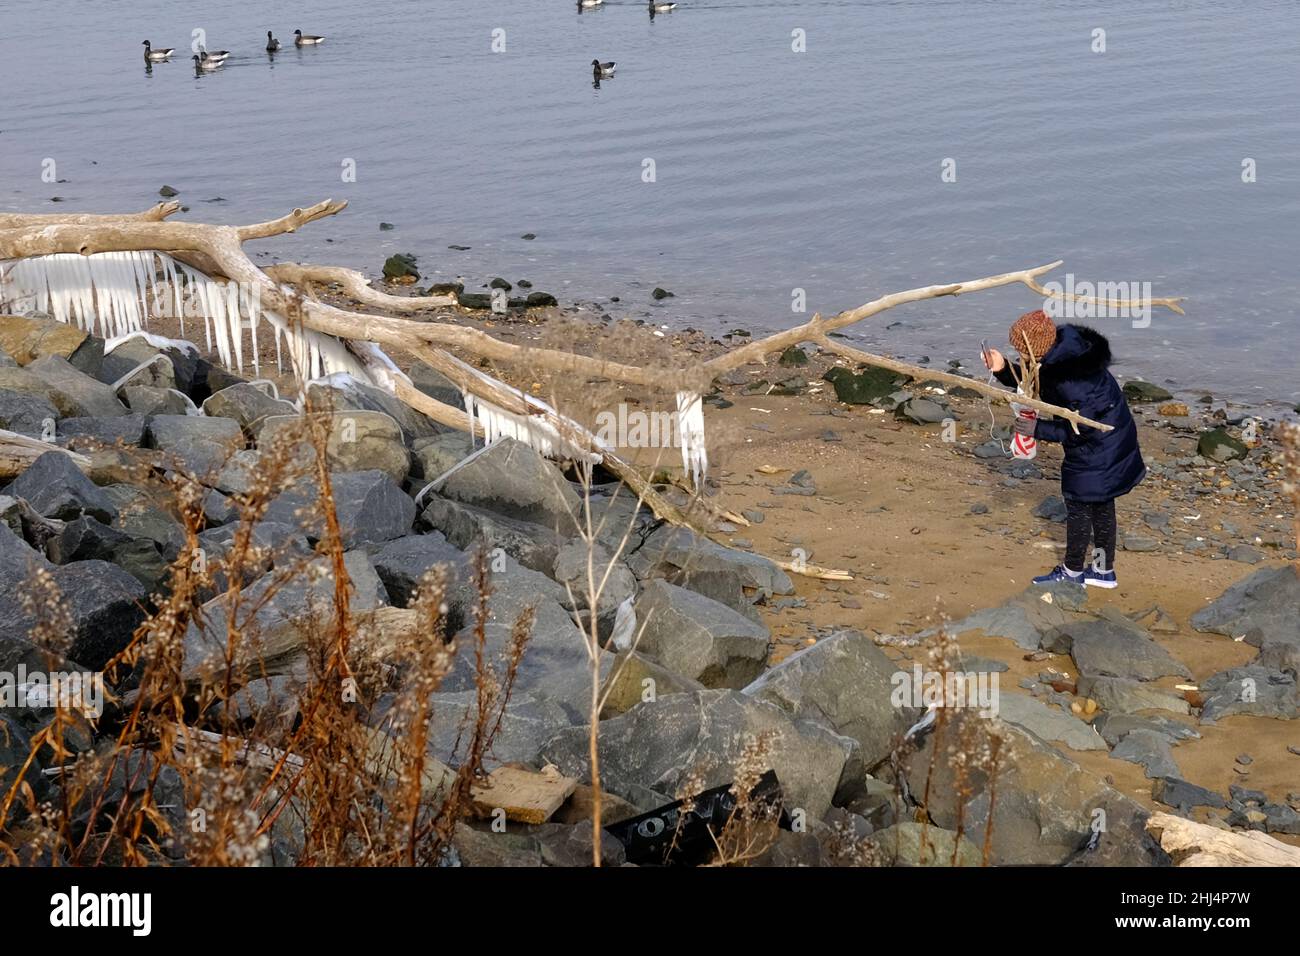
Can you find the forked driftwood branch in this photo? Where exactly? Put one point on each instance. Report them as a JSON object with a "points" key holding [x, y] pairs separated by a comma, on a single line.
{"points": [[289, 290]]}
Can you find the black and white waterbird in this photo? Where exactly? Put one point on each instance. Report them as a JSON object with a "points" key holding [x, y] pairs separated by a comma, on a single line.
{"points": [[156, 56]]}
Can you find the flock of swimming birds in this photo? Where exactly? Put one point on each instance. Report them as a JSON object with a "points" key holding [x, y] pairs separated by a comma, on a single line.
{"points": [[206, 61]]}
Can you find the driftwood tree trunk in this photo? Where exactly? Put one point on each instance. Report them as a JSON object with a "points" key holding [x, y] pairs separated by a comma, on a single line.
{"points": [[1197, 844], [288, 290]]}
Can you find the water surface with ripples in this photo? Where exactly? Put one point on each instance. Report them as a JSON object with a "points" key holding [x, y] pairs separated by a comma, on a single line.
{"points": [[775, 170]]}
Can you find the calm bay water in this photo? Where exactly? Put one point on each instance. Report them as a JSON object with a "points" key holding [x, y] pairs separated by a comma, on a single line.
{"points": [[775, 170]]}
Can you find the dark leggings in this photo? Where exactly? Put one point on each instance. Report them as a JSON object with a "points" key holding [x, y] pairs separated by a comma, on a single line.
{"points": [[1085, 522]]}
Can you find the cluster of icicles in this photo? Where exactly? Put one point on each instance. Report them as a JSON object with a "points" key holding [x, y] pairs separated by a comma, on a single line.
{"points": [[112, 294]]}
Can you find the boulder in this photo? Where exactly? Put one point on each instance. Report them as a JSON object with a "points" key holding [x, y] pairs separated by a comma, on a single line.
{"points": [[844, 682], [149, 400], [403, 562], [1256, 690], [28, 338], [371, 508], [343, 393], [1114, 646], [1261, 609], [1217, 445], [1178, 793], [1140, 391], [196, 444], [278, 617], [655, 750], [510, 479], [611, 576], [147, 514], [680, 555], [1150, 751], [437, 386], [1025, 618], [84, 433], [72, 391], [57, 488], [1124, 696], [635, 678], [1046, 809], [1048, 723], [358, 440], [26, 413], [914, 844], [247, 403], [87, 538], [435, 456], [534, 546], [862, 388], [699, 638]]}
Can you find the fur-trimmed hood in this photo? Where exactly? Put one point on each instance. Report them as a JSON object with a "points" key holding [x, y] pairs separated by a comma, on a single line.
{"points": [[1079, 352]]}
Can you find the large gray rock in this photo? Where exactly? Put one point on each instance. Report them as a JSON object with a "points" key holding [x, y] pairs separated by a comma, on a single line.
{"points": [[534, 546], [57, 488], [845, 682], [248, 404], [610, 575], [1124, 696], [1024, 618], [1262, 609], [699, 638], [680, 555], [1113, 646], [194, 443], [402, 563], [343, 393], [1049, 723], [371, 508], [27, 414], [149, 400], [1046, 808], [433, 457], [356, 441], [87, 538], [1255, 690], [72, 391], [1149, 750], [271, 544], [86, 432], [649, 754], [1114, 727], [913, 844], [278, 617], [530, 720], [149, 515], [554, 663], [436, 385], [508, 478], [95, 606]]}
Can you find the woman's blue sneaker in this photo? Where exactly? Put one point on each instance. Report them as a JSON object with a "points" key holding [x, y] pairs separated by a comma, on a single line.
{"points": [[1060, 573], [1100, 579]]}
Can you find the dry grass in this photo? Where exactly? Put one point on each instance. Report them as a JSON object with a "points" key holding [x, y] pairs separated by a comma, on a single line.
{"points": [[174, 773]]}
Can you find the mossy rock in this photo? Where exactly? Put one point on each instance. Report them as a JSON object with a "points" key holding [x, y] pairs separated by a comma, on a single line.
{"points": [[500, 283], [1218, 445], [400, 267], [862, 388], [794, 356], [1140, 391], [537, 300], [659, 293]]}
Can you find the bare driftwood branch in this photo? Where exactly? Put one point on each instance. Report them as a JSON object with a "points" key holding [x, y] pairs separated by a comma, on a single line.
{"points": [[995, 393]]}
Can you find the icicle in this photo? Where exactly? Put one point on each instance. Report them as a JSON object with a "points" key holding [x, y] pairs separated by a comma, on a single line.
{"points": [[690, 431]]}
